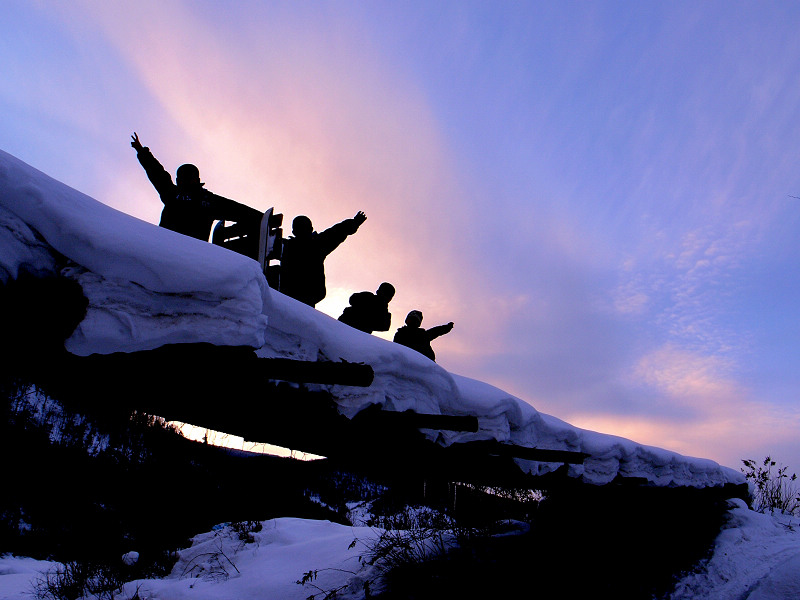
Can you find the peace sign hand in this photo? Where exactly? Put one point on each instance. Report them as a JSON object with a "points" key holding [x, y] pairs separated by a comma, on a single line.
{"points": [[136, 144]]}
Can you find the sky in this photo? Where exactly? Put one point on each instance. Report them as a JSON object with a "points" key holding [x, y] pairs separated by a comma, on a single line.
{"points": [[598, 194]]}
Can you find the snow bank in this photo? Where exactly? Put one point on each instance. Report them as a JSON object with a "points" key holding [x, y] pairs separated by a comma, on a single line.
{"points": [[756, 556], [148, 286], [220, 565], [18, 576]]}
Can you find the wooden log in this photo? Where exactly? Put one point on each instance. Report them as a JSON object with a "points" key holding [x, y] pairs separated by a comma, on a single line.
{"points": [[448, 422], [193, 367], [414, 420], [495, 448], [300, 371]]}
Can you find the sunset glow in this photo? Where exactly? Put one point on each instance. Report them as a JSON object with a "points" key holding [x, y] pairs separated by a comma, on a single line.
{"points": [[599, 195]]}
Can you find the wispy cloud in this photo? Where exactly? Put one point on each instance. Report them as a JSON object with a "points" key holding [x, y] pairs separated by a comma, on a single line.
{"points": [[689, 379], [687, 287]]}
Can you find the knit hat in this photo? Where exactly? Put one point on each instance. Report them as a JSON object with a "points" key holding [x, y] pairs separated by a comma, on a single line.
{"points": [[414, 315]]}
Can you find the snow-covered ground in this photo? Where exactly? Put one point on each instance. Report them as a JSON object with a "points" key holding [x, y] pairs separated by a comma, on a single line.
{"points": [[148, 286], [757, 557], [219, 565]]}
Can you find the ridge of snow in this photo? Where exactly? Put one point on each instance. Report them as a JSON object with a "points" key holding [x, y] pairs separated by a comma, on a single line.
{"points": [[125, 264], [148, 286]]}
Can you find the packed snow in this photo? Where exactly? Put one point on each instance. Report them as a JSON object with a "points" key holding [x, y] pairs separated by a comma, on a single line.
{"points": [[219, 565], [756, 557]]}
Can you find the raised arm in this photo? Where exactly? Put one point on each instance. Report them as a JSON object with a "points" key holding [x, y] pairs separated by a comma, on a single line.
{"points": [[156, 173]]}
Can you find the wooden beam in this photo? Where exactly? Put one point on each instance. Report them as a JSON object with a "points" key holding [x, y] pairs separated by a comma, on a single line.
{"points": [[302, 371], [375, 416], [495, 448]]}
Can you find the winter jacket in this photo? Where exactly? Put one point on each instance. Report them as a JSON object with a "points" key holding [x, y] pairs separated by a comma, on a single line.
{"points": [[191, 213], [419, 339], [367, 312], [302, 262]]}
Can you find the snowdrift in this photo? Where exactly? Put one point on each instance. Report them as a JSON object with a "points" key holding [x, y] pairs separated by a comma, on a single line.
{"points": [[149, 286]]}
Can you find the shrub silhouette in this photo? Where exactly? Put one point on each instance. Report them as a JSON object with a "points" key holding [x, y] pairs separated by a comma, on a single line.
{"points": [[773, 488]]}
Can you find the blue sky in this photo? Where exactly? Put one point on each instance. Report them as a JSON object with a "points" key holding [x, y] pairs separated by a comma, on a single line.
{"points": [[598, 194]]}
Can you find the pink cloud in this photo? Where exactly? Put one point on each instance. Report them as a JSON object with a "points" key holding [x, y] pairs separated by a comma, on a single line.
{"points": [[727, 423], [685, 376], [726, 436]]}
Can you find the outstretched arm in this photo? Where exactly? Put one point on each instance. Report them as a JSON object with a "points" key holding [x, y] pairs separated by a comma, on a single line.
{"points": [[352, 225], [230, 210], [435, 332], [330, 239]]}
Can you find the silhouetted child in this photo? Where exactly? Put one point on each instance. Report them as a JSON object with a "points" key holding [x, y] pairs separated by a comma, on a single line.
{"points": [[417, 338], [370, 312], [302, 274], [189, 208]]}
